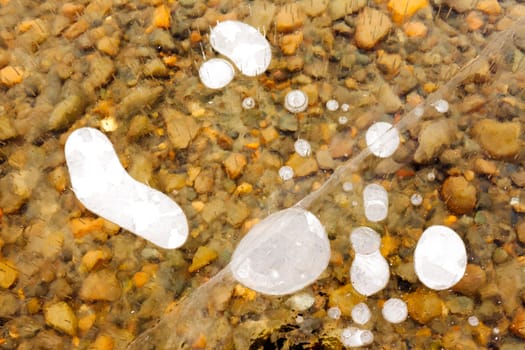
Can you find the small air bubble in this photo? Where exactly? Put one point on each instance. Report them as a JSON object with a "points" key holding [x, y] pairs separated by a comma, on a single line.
{"points": [[302, 148], [473, 321], [348, 186], [334, 312], [286, 173], [248, 103], [332, 105], [345, 107], [343, 120], [416, 199], [441, 106]]}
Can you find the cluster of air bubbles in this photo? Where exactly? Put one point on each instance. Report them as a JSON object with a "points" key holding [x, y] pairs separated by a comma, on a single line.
{"points": [[303, 148], [416, 199], [286, 173], [441, 106], [332, 105], [361, 313], [342, 120], [248, 103], [395, 310], [355, 337], [296, 101]]}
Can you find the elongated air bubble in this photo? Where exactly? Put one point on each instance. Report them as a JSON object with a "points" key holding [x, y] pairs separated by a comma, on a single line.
{"points": [[283, 253], [104, 187]]}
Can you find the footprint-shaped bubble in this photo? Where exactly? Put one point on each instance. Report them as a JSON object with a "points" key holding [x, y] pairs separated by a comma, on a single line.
{"points": [[104, 187]]}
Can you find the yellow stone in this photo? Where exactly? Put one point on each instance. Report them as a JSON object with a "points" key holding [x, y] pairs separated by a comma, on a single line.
{"points": [[371, 26], [161, 17], [61, 317], [10, 76], [404, 9], [302, 166], [234, 164], [290, 17], [290, 43], [424, 306], [490, 7], [33, 306], [140, 278], [103, 342], [203, 256], [269, 134], [345, 298], [94, 257], [8, 274]]}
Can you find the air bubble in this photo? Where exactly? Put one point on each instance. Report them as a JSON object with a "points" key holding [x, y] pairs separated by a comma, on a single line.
{"points": [[296, 101], [248, 103], [286, 173], [332, 105], [303, 148]]}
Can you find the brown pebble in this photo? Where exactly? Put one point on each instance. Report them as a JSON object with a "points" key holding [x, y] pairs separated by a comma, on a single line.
{"points": [[289, 43], [459, 195], [424, 306], [518, 324], [289, 17], [8, 274], [71, 10], [302, 166], [474, 20], [371, 26], [10, 76], [520, 230], [61, 317], [76, 29], [234, 164], [109, 45], [203, 256], [474, 279], [500, 139], [487, 167], [100, 285]]}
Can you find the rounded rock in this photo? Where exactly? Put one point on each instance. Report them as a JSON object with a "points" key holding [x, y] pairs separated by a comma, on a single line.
{"points": [[459, 195]]}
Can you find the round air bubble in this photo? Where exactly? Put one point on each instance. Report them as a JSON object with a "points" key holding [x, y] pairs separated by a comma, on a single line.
{"points": [[365, 240], [473, 321], [296, 101], [375, 199], [104, 187], [416, 199], [345, 107], [369, 273], [348, 186], [355, 337], [283, 253], [334, 313], [382, 139], [303, 148], [361, 313], [395, 310], [441, 106], [342, 120], [244, 45], [216, 73], [332, 105], [286, 173], [440, 258], [248, 103]]}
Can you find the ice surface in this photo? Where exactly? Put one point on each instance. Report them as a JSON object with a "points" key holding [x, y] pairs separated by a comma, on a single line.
{"points": [[382, 139], [395, 310], [296, 101], [302, 148], [440, 258], [283, 253], [244, 45], [369, 273], [375, 199], [361, 313], [216, 73], [355, 337], [365, 240], [104, 187]]}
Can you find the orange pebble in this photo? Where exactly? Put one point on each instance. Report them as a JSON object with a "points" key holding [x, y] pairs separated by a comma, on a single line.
{"points": [[415, 29], [140, 278], [162, 17], [195, 37], [474, 21]]}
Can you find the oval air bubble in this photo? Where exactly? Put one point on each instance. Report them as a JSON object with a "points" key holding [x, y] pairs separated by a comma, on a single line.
{"points": [[216, 73], [365, 240], [271, 246], [104, 187], [440, 258]]}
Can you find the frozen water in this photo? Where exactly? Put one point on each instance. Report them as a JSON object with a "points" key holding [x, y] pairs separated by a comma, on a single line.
{"points": [[302, 148], [440, 258], [286, 173], [395, 310], [441, 106], [375, 199], [104, 187], [296, 101], [355, 337], [244, 45], [216, 73], [365, 240], [334, 313], [382, 139], [369, 273], [332, 105], [361, 314], [248, 103], [283, 253]]}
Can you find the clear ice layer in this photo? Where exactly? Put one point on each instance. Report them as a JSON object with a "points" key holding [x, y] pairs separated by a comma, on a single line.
{"points": [[104, 187], [283, 253], [243, 45], [440, 258]]}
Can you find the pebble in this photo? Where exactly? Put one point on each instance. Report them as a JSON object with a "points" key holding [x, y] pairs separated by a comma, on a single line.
{"points": [[181, 128], [500, 139], [9, 304], [234, 164], [389, 63], [415, 29], [203, 256], [109, 45], [7, 130], [95, 257], [100, 285], [459, 194], [404, 9], [424, 306], [61, 317], [489, 7], [302, 166], [345, 298], [289, 43], [486, 167], [8, 274], [10, 76], [314, 8], [517, 325], [162, 17], [341, 8], [474, 20], [66, 112], [371, 26], [433, 137], [324, 159], [289, 18]]}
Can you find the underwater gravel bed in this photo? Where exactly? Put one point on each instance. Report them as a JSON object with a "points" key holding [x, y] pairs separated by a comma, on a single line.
{"points": [[70, 279]]}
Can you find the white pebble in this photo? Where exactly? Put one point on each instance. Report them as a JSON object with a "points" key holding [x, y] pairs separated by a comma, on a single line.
{"points": [[375, 199], [365, 240], [286, 173], [440, 258], [334, 313], [216, 73], [103, 186], [345, 107], [342, 120], [332, 105], [416, 199], [355, 337], [361, 313], [296, 101], [248, 103], [395, 310], [382, 139], [473, 321], [348, 186], [441, 106], [303, 148]]}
